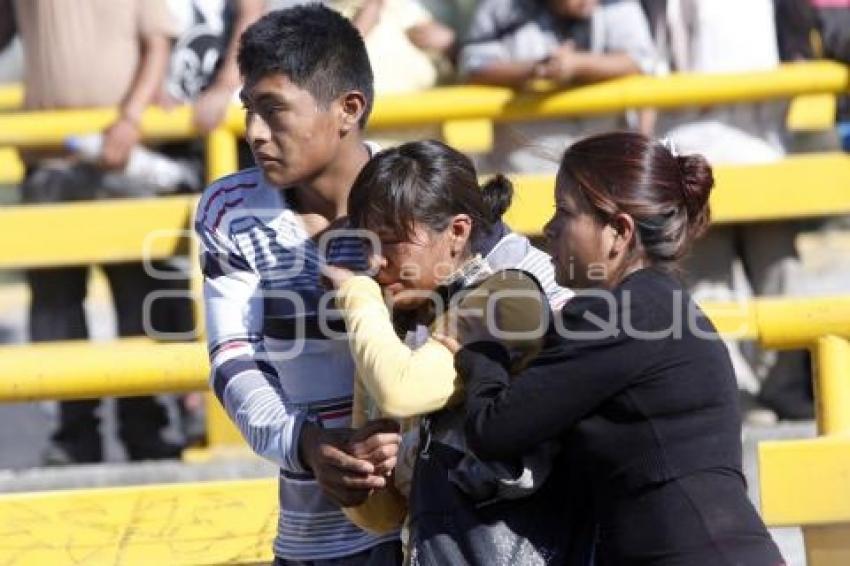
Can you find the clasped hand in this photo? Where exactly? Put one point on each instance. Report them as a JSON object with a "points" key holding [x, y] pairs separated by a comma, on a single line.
{"points": [[350, 463]]}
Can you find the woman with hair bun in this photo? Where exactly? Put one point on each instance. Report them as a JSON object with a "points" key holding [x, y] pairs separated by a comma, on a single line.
{"points": [[638, 383]]}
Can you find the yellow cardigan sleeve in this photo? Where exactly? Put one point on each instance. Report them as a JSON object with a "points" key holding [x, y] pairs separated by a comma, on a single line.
{"points": [[402, 382]]}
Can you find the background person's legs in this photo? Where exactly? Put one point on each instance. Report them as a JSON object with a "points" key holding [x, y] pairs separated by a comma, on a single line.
{"points": [[708, 271], [769, 254], [140, 419], [56, 313], [172, 318]]}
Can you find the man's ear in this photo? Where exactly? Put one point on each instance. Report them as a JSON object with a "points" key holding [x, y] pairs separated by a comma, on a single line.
{"points": [[352, 108]]}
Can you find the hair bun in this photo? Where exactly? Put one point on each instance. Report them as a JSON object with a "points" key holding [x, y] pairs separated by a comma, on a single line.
{"points": [[697, 183], [498, 192]]}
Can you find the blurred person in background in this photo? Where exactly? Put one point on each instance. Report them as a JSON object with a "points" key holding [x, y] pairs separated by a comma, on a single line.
{"points": [[797, 28], [11, 58], [203, 70], [834, 24], [91, 53], [566, 42], [725, 36], [409, 49], [456, 14], [405, 44]]}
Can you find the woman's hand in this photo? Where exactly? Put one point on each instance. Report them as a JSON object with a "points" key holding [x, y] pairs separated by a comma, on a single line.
{"points": [[449, 342], [457, 332], [377, 442]]}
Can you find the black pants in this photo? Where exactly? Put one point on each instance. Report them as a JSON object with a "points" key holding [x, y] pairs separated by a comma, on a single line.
{"points": [[57, 313]]}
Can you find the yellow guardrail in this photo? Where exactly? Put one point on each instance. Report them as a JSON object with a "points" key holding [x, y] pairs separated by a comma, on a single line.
{"points": [[131, 229], [11, 96], [95, 232], [807, 482], [143, 367], [466, 111], [233, 522], [799, 186], [11, 167], [435, 106]]}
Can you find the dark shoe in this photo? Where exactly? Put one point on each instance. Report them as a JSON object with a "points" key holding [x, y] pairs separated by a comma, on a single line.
{"points": [[790, 407], [60, 454], [753, 412], [194, 428], [787, 389], [154, 449]]}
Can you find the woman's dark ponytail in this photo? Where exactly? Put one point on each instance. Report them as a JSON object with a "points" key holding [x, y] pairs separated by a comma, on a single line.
{"points": [[697, 182], [498, 192]]}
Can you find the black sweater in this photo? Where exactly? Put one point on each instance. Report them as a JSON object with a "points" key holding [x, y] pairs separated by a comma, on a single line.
{"points": [[641, 385]]}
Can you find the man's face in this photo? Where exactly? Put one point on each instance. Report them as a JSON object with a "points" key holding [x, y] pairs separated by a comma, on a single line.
{"points": [[292, 136]]}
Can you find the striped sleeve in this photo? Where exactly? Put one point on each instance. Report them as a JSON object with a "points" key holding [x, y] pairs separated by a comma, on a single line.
{"points": [[245, 383], [539, 264]]}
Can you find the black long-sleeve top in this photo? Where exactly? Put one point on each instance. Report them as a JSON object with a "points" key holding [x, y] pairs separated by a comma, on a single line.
{"points": [[639, 382]]}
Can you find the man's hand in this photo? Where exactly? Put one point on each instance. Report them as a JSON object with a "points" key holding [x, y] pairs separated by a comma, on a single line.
{"points": [[346, 480], [118, 141]]}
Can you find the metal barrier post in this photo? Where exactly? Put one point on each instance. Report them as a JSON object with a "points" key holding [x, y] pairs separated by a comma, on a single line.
{"points": [[832, 385], [222, 159], [829, 545]]}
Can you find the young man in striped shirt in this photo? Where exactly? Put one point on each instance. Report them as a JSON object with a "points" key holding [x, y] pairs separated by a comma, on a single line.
{"points": [[287, 386]]}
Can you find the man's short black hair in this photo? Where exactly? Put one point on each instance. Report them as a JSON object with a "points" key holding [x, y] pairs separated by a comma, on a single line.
{"points": [[314, 47]]}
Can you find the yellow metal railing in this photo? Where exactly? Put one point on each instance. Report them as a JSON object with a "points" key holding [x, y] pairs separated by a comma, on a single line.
{"points": [[133, 229], [789, 80], [444, 104], [802, 482], [807, 482], [497, 103], [800, 186], [11, 96], [143, 367]]}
